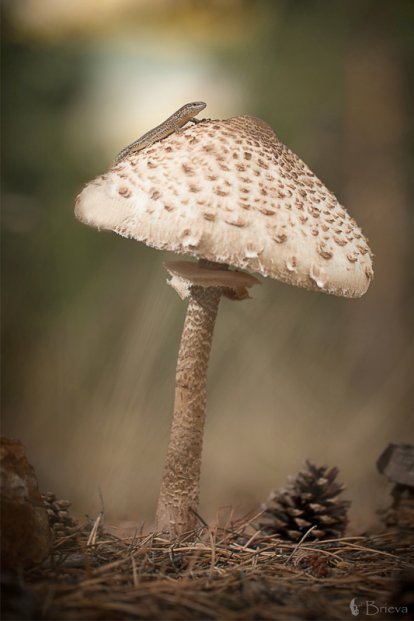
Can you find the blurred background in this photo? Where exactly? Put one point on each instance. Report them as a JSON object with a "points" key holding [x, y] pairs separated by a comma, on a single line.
{"points": [[91, 329]]}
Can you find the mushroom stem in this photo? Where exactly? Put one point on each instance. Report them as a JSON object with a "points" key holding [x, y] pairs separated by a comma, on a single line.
{"points": [[179, 494]]}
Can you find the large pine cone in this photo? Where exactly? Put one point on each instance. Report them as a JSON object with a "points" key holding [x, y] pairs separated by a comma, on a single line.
{"points": [[310, 499]]}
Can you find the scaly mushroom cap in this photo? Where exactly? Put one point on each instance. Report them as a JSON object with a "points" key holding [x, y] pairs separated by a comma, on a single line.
{"points": [[230, 192]]}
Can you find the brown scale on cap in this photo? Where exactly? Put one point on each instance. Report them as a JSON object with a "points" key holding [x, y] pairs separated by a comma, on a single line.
{"points": [[218, 187]]}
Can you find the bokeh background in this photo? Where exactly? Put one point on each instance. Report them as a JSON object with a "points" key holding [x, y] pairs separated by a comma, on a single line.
{"points": [[90, 327]]}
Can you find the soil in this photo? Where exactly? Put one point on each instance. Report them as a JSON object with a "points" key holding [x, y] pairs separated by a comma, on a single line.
{"points": [[226, 573]]}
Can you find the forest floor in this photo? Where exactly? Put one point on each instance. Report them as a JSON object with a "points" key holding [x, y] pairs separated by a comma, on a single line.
{"points": [[226, 573]]}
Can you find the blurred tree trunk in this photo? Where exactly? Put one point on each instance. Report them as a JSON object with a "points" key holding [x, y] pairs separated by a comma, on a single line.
{"points": [[375, 117]]}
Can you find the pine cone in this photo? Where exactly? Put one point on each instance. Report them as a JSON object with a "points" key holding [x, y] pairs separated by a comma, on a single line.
{"points": [[397, 464], [310, 499], [61, 522], [401, 512]]}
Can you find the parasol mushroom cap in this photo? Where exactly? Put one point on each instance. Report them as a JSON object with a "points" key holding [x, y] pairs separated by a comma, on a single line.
{"points": [[229, 191]]}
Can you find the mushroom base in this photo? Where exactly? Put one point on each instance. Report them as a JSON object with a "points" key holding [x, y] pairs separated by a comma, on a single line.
{"points": [[179, 494]]}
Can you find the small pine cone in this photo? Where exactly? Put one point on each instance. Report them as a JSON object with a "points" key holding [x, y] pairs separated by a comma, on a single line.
{"points": [[401, 512], [61, 522], [310, 499], [397, 464]]}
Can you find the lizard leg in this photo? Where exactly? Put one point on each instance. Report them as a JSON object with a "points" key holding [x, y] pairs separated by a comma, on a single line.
{"points": [[178, 128]]}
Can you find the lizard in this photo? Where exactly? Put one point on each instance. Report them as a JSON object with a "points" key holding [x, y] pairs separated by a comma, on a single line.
{"points": [[173, 124]]}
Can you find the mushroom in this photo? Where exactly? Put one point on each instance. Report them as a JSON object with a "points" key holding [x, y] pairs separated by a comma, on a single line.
{"points": [[230, 194]]}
